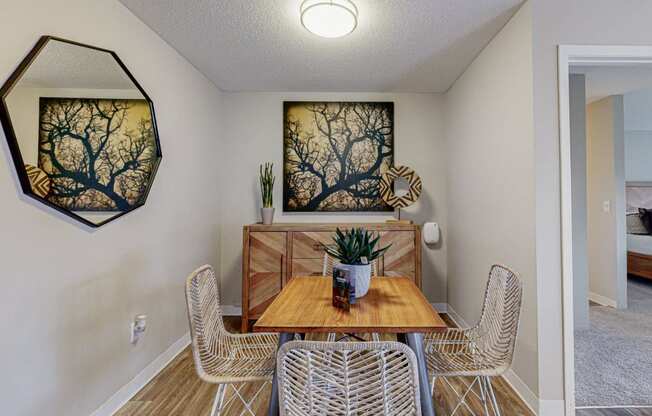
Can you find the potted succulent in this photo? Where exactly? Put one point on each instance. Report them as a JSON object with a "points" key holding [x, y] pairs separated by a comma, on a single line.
{"points": [[355, 250], [267, 187]]}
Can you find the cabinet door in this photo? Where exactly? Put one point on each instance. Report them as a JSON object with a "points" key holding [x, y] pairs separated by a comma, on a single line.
{"points": [[400, 259], [267, 255]]}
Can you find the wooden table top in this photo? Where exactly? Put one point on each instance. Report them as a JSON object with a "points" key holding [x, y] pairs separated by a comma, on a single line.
{"points": [[392, 305]]}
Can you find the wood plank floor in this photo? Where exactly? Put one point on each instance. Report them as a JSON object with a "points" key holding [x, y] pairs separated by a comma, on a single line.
{"points": [[177, 391]]}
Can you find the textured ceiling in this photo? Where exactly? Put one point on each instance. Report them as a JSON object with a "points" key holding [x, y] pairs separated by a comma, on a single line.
{"points": [[260, 45], [63, 65]]}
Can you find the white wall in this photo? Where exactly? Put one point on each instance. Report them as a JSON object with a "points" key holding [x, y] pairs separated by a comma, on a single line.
{"points": [[638, 154], [577, 87], [555, 22], [68, 293], [638, 136], [254, 134], [606, 185], [491, 180]]}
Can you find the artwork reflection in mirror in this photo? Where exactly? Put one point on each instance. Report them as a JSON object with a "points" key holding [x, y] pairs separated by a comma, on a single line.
{"points": [[85, 131], [98, 153]]}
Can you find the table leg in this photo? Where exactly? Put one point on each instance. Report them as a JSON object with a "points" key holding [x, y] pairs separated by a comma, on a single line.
{"points": [[273, 400], [415, 342]]}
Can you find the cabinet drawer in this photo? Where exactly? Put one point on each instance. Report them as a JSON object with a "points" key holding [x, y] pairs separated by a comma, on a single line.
{"points": [[310, 245], [307, 267]]}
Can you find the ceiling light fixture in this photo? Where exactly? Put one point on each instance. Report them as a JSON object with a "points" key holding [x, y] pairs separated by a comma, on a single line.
{"points": [[329, 18]]}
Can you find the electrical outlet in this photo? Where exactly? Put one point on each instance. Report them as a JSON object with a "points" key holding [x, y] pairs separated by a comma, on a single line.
{"points": [[138, 327]]}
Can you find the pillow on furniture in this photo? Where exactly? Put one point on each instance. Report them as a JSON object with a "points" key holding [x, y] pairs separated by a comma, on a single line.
{"points": [[635, 224], [646, 219]]}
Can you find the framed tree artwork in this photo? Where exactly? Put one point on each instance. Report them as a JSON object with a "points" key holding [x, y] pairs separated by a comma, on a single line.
{"points": [[335, 154], [98, 153]]}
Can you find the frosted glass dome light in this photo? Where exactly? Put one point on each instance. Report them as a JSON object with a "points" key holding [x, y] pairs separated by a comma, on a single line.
{"points": [[329, 18]]}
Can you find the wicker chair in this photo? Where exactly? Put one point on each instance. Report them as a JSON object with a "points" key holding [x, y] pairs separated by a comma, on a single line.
{"points": [[483, 351], [221, 357], [328, 264], [326, 378]]}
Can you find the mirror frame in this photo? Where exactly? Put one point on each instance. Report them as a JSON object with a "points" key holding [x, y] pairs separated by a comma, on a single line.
{"points": [[12, 141]]}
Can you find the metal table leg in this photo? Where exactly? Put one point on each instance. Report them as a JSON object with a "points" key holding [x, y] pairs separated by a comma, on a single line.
{"points": [[273, 400], [415, 342]]}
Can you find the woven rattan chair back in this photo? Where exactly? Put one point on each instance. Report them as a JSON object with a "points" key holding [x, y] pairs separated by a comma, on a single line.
{"points": [[329, 262], [374, 378], [498, 326], [229, 360], [205, 316]]}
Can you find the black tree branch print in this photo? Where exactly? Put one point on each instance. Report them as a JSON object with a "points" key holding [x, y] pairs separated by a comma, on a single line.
{"points": [[99, 153], [334, 155]]}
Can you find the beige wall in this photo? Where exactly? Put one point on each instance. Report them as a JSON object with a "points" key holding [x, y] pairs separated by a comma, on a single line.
{"points": [[555, 22], [69, 293], [254, 134], [491, 180], [607, 253]]}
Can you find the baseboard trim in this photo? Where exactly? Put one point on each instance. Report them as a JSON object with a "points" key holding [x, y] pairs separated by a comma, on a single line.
{"points": [[440, 307], [524, 393], [521, 389], [129, 390], [456, 317], [602, 300]]}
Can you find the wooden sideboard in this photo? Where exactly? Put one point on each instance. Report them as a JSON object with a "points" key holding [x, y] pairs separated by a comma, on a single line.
{"points": [[273, 254]]}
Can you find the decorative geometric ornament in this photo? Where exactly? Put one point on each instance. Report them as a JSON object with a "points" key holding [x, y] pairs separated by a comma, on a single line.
{"points": [[39, 180], [388, 178]]}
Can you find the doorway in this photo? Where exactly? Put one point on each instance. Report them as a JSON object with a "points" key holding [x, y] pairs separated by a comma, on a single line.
{"points": [[589, 58]]}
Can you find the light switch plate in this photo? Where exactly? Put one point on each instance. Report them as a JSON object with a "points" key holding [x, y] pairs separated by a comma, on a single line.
{"points": [[606, 206]]}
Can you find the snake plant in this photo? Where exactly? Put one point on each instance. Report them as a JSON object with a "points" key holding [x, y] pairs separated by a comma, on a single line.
{"points": [[267, 184]]}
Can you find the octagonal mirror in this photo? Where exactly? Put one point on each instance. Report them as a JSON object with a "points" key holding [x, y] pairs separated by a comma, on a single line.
{"points": [[81, 131]]}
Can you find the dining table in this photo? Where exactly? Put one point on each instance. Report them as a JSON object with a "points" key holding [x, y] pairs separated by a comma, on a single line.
{"points": [[393, 305]]}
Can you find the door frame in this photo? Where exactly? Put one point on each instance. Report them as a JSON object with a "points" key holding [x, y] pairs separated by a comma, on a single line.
{"points": [[579, 55]]}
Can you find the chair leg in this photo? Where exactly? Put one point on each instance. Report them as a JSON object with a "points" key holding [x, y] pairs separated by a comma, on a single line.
{"points": [[375, 337], [219, 400], [492, 395], [432, 386], [483, 395], [461, 395], [246, 403]]}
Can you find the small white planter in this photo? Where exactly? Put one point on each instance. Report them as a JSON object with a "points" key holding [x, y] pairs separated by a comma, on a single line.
{"points": [[268, 215], [362, 275]]}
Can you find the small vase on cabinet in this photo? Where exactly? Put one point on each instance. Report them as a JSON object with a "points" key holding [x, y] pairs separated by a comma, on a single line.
{"points": [[268, 215]]}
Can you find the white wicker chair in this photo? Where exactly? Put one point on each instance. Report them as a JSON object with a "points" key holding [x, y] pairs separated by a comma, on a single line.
{"points": [[485, 350], [221, 357], [327, 378], [328, 264]]}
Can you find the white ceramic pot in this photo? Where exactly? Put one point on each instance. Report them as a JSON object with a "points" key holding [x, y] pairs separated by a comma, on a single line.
{"points": [[268, 215], [362, 275]]}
